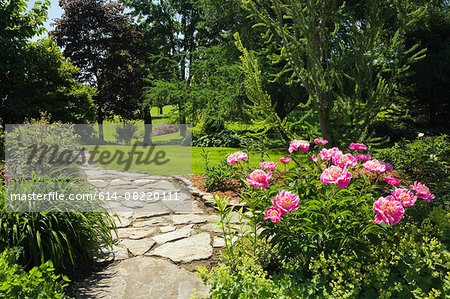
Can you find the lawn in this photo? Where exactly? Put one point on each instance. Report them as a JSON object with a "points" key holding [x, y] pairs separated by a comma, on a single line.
{"points": [[176, 154], [179, 159]]}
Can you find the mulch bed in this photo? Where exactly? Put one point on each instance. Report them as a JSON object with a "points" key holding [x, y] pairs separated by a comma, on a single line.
{"points": [[231, 190]]}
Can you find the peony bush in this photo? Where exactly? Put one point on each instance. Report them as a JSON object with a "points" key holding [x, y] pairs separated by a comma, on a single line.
{"points": [[330, 222], [329, 201]]}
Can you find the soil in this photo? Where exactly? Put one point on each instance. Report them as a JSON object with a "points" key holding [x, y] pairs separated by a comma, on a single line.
{"points": [[231, 190]]}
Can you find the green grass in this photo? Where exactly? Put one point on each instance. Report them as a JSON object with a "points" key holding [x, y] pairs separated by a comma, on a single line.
{"points": [[179, 159], [177, 153]]}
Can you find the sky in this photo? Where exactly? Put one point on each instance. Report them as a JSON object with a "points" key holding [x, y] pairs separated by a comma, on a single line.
{"points": [[54, 12]]}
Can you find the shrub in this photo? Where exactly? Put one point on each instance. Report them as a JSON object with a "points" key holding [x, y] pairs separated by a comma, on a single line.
{"points": [[39, 282], [225, 138], [65, 238], [247, 281], [325, 229], [125, 133], [217, 177], [409, 263], [164, 128], [39, 133], [213, 125], [426, 158]]}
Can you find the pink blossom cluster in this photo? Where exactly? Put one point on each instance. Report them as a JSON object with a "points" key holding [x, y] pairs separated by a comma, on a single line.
{"points": [[362, 158], [388, 210], [358, 146], [392, 181], [236, 157], [285, 160], [259, 178], [283, 203], [296, 144], [328, 154], [422, 191], [341, 160], [336, 175], [268, 165], [374, 166], [320, 141], [391, 209]]}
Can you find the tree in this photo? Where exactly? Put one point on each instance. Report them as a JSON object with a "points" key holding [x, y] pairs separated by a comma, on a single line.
{"points": [[103, 42], [49, 86], [427, 91], [170, 32], [17, 25], [34, 76], [347, 56]]}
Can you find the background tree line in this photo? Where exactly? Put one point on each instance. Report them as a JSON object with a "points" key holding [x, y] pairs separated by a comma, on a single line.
{"points": [[344, 69]]}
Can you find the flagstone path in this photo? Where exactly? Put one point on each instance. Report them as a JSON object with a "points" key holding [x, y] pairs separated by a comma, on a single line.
{"points": [[157, 249]]}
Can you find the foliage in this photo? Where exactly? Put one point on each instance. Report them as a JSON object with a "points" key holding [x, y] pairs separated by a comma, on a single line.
{"points": [[426, 158], [226, 138], [35, 76], [104, 44], [216, 176], [408, 263], [67, 239], [426, 92], [50, 87], [2, 143], [39, 282], [125, 133], [164, 128], [247, 281], [17, 25], [344, 55], [39, 133], [318, 237]]}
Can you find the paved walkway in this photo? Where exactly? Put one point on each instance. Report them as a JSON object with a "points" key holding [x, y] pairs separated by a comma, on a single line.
{"points": [[157, 249]]}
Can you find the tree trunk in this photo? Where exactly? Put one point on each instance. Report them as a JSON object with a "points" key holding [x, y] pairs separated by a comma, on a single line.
{"points": [[100, 119], [147, 126], [182, 121], [325, 126], [161, 110]]}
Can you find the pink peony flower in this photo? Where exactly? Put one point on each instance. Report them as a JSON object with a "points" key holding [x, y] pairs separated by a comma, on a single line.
{"points": [[268, 165], [286, 202], [359, 146], [336, 175], [388, 210], [285, 160], [274, 214], [363, 158], [342, 160], [296, 144], [314, 158], [374, 166], [236, 157], [231, 159], [388, 166], [405, 197], [392, 181], [259, 178], [320, 141], [327, 154], [422, 191]]}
